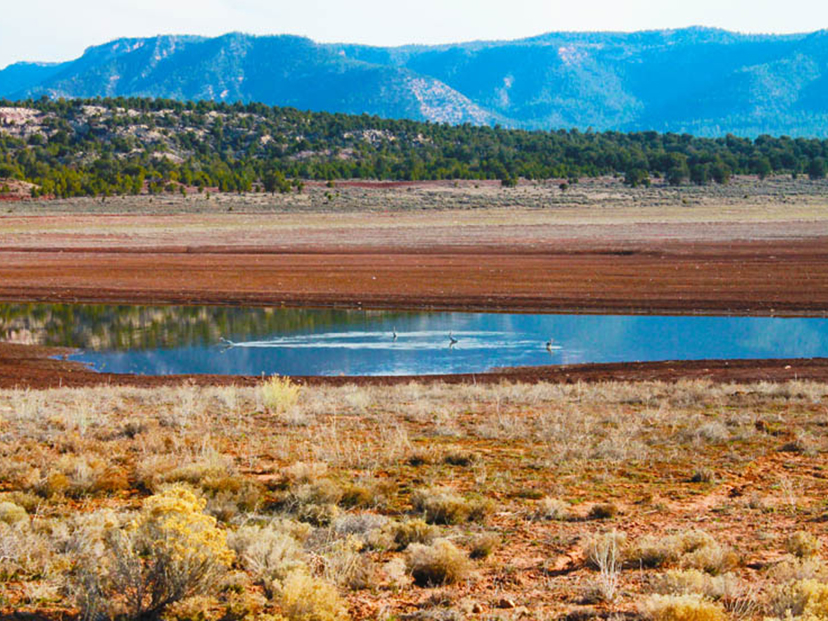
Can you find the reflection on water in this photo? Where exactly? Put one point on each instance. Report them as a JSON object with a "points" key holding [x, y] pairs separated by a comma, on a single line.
{"points": [[252, 341]]}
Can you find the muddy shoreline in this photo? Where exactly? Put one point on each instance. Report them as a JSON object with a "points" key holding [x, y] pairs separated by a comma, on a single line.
{"points": [[35, 367]]}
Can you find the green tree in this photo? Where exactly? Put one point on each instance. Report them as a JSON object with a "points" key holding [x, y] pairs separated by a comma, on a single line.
{"points": [[720, 173], [636, 177], [700, 174], [817, 169]]}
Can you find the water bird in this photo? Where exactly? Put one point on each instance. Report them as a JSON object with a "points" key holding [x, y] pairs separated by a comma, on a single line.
{"points": [[452, 340], [227, 342], [549, 344], [394, 333]]}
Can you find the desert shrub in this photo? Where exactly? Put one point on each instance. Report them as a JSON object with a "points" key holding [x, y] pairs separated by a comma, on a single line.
{"points": [[403, 534], [366, 494], [441, 505], [267, 552], [711, 557], [713, 432], [460, 458], [802, 442], [169, 552], [703, 475], [305, 598], [344, 564], [318, 515], [436, 564], [801, 544], [306, 472], [690, 607], [681, 581], [652, 551], [599, 546], [420, 456], [361, 525], [197, 608], [227, 492], [315, 503], [483, 545], [30, 502], [78, 476], [693, 549], [479, 508], [279, 394], [11, 513], [806, 599], [53, 484], [605, 553], [684, 581], [22, 551], [603, 511], [552, 509], [321, 492], [796, 569]]}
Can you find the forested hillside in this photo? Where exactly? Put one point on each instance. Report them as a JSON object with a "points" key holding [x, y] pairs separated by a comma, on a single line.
{"points": [[121, 146]]}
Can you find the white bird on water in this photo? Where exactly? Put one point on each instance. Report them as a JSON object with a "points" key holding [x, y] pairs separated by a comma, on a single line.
{"points": [[452, 340], [394, 333], [549, 344]]}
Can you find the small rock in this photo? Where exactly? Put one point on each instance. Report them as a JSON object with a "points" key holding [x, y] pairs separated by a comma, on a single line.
{"points": [[477, 608], [506, 603]]}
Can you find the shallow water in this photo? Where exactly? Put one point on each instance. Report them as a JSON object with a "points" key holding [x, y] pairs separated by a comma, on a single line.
{"points": [[253, 341]]}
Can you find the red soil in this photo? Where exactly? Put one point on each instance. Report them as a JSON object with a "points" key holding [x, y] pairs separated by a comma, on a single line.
{"points": [[766, 276]]}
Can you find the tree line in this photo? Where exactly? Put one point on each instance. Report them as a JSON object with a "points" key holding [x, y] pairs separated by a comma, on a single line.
{"points": [[120, 146]]}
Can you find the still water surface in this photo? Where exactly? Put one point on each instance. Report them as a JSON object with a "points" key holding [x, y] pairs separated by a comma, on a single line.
{"points": [[252, 341]]}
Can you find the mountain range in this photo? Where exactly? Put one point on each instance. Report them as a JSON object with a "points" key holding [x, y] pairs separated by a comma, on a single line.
{"points": [[702, 81]]}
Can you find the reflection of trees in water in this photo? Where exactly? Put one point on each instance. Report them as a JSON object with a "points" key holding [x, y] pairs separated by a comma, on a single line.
{"points": [[150, 327]]}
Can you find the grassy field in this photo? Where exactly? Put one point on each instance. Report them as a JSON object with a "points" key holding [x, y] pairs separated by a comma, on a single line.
{"points": [[674, 502]]}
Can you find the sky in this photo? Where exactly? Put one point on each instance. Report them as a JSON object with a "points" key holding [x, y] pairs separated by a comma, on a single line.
{"points": [[53, 30]]}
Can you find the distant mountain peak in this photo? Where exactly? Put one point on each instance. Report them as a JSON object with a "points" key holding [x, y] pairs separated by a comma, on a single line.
{"points": [[695, 79]]}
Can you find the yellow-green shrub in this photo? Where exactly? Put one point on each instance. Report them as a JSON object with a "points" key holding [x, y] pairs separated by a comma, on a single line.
{"points": [[11, 513], [169, 552], [279, 394], [803, 599], [305, 598], [689, 607]]}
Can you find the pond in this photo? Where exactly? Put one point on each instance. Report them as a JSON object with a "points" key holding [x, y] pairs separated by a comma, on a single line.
{"points": [[167, 340]]}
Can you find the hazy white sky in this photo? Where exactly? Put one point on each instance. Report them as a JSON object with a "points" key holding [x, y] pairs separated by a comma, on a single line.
{"points": [[62, 29]]}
